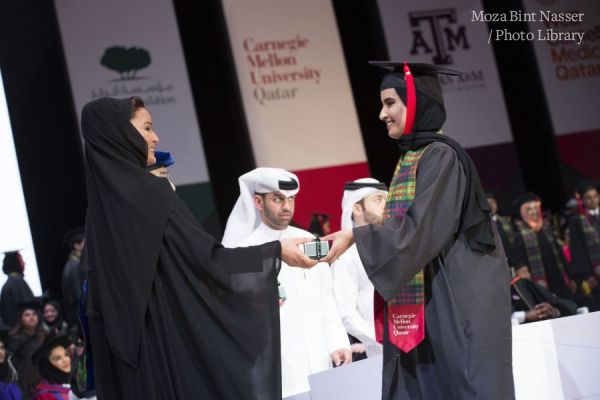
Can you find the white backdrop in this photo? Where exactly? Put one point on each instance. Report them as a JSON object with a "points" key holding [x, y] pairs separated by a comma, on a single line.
{"points": [[15, 233]]}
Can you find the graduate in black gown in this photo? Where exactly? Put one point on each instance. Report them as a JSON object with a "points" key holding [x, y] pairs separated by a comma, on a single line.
{"points": [[173, 314], [536, 247], [15, 289], [437, 264]]}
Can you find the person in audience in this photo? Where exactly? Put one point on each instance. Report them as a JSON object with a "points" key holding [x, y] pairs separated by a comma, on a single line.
{"points": [[172, 314], [503, 223], [319, 225], [9, 389], [584, 239], [25, 338], [532, 302], [53, 322], [537, 248], [53, 360], [72, 277], [363, 203], [312, 334], [15, 289]]}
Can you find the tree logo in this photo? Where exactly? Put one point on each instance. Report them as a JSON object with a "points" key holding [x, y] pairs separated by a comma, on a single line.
{"points": [[126, 61]]}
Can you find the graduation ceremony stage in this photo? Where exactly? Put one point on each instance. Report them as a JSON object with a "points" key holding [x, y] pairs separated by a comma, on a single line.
{"points": [[552, 360]]}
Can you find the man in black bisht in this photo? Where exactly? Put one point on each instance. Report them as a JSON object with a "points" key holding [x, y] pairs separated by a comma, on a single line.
{"points": [[437, 263], [15, 290]]}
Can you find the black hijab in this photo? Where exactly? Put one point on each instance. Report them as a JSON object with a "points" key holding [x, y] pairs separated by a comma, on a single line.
{"points": [[128, 209]]}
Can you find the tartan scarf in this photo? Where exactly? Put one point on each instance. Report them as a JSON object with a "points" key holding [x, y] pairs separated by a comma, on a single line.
{"points": [[406, 310], [592, 240], [400, 196], [505, 222], [534, 255]]}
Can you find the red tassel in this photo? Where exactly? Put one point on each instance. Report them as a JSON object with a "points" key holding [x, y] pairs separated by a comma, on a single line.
{"points": [[411, 100]]}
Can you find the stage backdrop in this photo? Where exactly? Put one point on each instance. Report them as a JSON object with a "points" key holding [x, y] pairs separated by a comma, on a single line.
{"points": [[570, 69], [442, 32], [122, 49], [15, 233], [297, 98]]}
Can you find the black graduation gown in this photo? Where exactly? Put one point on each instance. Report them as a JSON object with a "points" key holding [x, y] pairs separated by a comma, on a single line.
{"points": [[526, 294], [22, 348], [71, 289], [199, 340], [556, 281], [14, 291], [467, 350]]}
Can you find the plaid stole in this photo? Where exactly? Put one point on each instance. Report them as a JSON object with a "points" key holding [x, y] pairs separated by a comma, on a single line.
{"points": [[534, 256], [406, 310], [592, 240], [505, 222]]}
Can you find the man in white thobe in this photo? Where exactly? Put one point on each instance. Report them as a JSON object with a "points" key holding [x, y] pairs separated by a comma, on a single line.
{"points": [[363, 203], [313, 337]]}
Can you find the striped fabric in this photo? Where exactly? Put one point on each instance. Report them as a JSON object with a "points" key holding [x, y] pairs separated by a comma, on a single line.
{"points": [[400, 196], [534, 256]]}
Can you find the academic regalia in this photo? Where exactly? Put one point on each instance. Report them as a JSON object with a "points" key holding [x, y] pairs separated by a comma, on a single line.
{"points": [[447, 233], [526, 294], [173, 315], [552, 257], [9, 389], [311, 328], [15, 289]]}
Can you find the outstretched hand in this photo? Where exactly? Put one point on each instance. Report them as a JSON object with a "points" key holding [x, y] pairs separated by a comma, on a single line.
{"points": [[341, 241], [293, 256]]}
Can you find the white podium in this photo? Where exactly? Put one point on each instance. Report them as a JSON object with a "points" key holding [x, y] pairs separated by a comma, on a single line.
{"points": [[552, 360]]}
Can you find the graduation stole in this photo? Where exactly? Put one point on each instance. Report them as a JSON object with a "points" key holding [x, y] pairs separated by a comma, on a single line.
{"points": [[592, 240], [534, 256], [507, 228], [406, 310]]}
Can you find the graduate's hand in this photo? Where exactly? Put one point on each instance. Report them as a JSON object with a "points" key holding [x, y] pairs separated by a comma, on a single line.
{"points": [[540, 312], [293, 256], [341, 241], [341, 357]]}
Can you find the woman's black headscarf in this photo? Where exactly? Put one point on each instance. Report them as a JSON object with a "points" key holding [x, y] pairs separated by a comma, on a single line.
{"points": [[128, 209], [41, 358]]}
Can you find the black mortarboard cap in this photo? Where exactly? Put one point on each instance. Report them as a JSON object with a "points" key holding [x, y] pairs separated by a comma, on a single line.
{"points": [[46, 348], [425, 77], [74, 236]]}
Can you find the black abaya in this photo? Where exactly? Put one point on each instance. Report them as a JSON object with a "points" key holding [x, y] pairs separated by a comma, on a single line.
{"points": [[174, 315]]}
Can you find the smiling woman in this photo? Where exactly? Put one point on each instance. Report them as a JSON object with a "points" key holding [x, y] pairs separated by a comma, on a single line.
{"points": [[142, 121]]}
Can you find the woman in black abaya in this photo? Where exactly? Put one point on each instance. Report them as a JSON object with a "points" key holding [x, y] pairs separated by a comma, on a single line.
{"points": [[173, 314]]}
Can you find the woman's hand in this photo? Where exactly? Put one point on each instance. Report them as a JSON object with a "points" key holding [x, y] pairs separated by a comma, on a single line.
{"points": [[293, 256], [341, 241]]}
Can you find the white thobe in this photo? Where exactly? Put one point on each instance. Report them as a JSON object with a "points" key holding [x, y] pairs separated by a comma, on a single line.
{"points": [[311, 327], [354, 296]]}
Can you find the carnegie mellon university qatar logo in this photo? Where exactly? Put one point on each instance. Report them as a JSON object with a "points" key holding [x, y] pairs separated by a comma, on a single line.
{"points": [[437, 32], [126, 61]]}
